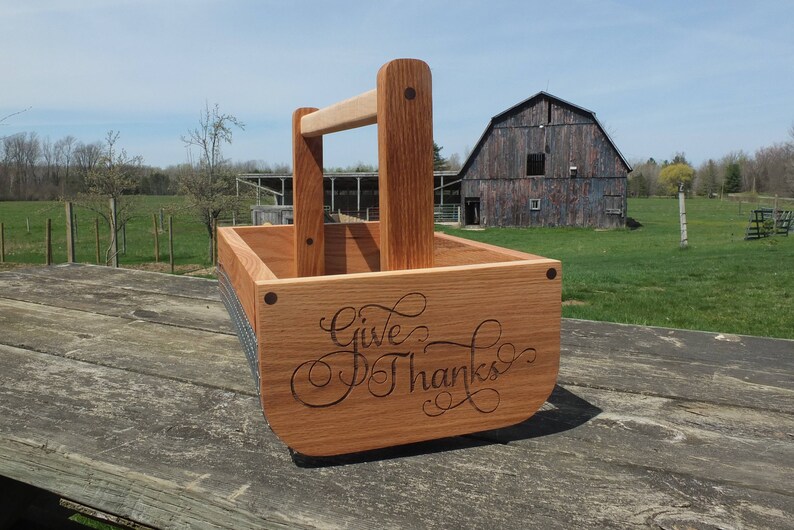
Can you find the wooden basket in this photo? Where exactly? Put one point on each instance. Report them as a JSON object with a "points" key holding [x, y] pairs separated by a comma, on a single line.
{"points": [[367, 335]]}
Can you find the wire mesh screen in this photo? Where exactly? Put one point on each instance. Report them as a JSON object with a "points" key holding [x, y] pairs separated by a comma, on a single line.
{"points": [[241, 325]]}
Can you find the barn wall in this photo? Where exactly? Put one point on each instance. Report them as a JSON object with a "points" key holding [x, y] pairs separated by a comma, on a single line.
{"points": [[568, 137], [569, 202]]}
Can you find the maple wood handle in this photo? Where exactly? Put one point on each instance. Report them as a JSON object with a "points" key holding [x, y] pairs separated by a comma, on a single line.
{"points": [[401, 105], [357, 111]]}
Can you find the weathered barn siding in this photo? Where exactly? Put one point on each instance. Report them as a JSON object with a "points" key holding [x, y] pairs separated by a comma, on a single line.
{"points": [[568, 136], [573, 202]]}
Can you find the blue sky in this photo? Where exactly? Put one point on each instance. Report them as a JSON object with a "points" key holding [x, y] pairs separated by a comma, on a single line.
{"points": [[704, 77]]}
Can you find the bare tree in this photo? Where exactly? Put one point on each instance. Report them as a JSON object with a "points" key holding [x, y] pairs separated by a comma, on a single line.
{"points": [[208, 181], [772, 169], [64, 153], [86, 157], [112, 176], [707, 177], [453, 162], [49, 175], [21, 155]]}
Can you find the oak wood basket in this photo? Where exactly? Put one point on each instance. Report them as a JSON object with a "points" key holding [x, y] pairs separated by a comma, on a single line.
{"points": [[367, 335]]}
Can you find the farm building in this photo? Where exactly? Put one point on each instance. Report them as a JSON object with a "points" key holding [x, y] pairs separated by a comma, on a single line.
{"points": [[545, 162], [354, 194]]}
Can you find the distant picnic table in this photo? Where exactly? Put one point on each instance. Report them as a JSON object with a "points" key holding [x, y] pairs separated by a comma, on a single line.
{"points": [[126, 395]]}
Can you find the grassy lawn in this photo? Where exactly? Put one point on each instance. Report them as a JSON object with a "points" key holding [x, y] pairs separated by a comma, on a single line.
{"points": [[721, 283]]}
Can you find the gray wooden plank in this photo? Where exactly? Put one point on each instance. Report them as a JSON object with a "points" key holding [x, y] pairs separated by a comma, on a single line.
{"points": [[684, 445], [720, 443], [680, 344], [130, 279], [173, 454], [606, 362], [114, 298], [183, 354], [766, 387]]}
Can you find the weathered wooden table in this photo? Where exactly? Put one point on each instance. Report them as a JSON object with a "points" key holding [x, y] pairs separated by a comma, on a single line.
{"points": [[128, 393]]}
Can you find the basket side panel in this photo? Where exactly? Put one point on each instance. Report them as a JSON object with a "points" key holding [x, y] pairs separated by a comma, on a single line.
{"points": [[357, 363], [352, 247], [242, 267], [450, 251], [273, 246]]}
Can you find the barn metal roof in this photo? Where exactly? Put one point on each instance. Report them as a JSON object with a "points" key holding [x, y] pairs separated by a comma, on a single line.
{"points": [[502, 115]]}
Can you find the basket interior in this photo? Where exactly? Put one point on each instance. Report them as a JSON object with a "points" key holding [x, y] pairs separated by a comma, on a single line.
{"points": [[355, 248]]}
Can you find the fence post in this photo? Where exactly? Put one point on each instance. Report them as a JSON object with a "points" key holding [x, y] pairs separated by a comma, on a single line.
{"points": [[27, 222], [124, 239], [171, 242], [2, 243], [96, 238], [156, 240], [114, 235], [162, 224], [48, 243], [214, 242], [682, 213], [69, 233]]}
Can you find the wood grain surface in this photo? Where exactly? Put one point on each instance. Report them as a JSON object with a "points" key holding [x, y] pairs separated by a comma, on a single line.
{"points": [[362, 361], [405, 164], [357, 111], [307, 199], [349, 248], [127, 391]]}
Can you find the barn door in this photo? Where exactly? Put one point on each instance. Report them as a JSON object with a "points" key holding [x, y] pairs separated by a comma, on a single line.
{"points": [[472, 210]]}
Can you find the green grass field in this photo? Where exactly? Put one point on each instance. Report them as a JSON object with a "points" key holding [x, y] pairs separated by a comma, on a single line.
{"points": [[720, 283]]}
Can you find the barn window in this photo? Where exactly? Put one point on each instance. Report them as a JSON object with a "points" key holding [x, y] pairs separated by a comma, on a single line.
{"points": [[536, 164], [534, 204]]}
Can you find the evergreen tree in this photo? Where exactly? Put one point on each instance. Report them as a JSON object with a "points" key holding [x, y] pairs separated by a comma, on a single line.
{"points": [[733, 178], [439, 162]]}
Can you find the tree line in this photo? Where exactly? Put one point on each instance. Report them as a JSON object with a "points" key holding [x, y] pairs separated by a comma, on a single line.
{"points": [[769, 171], [35, 168]]}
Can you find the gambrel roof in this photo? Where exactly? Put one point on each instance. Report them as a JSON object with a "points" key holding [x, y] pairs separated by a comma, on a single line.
{"points": [[515, 109]]}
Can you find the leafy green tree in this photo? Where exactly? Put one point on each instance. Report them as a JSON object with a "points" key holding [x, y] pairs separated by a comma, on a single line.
{"points": [[733, 178], [671, 175]]}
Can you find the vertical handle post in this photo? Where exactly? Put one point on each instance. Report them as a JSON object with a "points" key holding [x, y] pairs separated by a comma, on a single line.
{"points": [[405, 164], [307, 199]]}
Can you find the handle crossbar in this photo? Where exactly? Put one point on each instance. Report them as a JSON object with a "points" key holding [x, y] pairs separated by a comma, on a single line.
{"points": [[401, 105], [357, 111]]}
